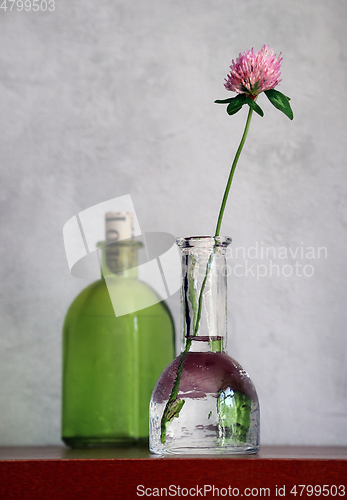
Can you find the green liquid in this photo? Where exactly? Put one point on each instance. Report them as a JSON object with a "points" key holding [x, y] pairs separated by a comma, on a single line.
{"points": [[111, 364]]}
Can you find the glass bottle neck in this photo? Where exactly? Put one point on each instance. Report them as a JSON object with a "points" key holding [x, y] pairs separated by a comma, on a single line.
{"points": [[204, 293], [120, 258]]}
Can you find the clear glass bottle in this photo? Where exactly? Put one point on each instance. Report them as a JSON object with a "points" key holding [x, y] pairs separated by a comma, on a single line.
{"points": [[204, 402], [111, 364]]}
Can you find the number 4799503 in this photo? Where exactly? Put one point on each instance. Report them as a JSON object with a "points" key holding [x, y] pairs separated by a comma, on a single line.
{"points": [[317, 490], [34, 5]]}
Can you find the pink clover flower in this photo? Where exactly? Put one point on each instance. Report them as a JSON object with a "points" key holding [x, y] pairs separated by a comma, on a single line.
{"points": [[253, 73]]}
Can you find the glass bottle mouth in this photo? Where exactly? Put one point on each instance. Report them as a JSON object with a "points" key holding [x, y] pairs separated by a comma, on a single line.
{"points": [[206, 242]]}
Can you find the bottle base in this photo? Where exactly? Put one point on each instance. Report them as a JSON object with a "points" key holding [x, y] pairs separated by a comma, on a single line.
{"points": [[85, 443], [196, 449]]}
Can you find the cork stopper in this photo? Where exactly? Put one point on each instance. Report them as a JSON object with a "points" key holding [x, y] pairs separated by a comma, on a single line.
{"points": [[118, 226]]}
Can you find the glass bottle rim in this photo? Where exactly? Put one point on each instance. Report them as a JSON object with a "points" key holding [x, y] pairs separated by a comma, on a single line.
{"points": [[207, 242]]}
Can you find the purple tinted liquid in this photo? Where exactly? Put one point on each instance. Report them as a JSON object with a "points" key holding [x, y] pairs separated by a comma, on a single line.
{"points": [[203, 373]]}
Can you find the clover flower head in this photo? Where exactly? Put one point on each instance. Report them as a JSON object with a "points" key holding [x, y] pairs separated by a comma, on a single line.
{"points": [[253, 73]]}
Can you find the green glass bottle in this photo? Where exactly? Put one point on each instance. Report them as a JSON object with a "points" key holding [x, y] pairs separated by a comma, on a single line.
{"points": [[111, 363]]}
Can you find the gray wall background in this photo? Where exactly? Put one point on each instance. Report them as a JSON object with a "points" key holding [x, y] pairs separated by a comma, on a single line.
{"points": [[101, 99]]}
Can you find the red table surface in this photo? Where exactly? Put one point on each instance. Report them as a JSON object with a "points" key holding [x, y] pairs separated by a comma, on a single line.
{"points": [[54, 473]]}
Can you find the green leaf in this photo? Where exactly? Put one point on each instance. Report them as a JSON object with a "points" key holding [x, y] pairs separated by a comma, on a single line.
{"points": [[234, 411], [174, 409], [232, 110], [280, 101], [171, 411], [252, 104], [236, 104], [224, 101]]}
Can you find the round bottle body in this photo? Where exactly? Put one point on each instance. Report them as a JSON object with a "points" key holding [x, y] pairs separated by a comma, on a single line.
{"points": [[111, 364], [220, 414]]}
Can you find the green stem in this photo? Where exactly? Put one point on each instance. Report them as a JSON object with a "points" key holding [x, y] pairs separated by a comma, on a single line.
{"points": [[198, 316], [173, 396], [232, 171], [169, 410], [172, 409]]}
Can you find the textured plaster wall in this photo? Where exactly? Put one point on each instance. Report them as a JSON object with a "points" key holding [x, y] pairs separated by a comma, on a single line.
{"points": [[102, 99]]}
